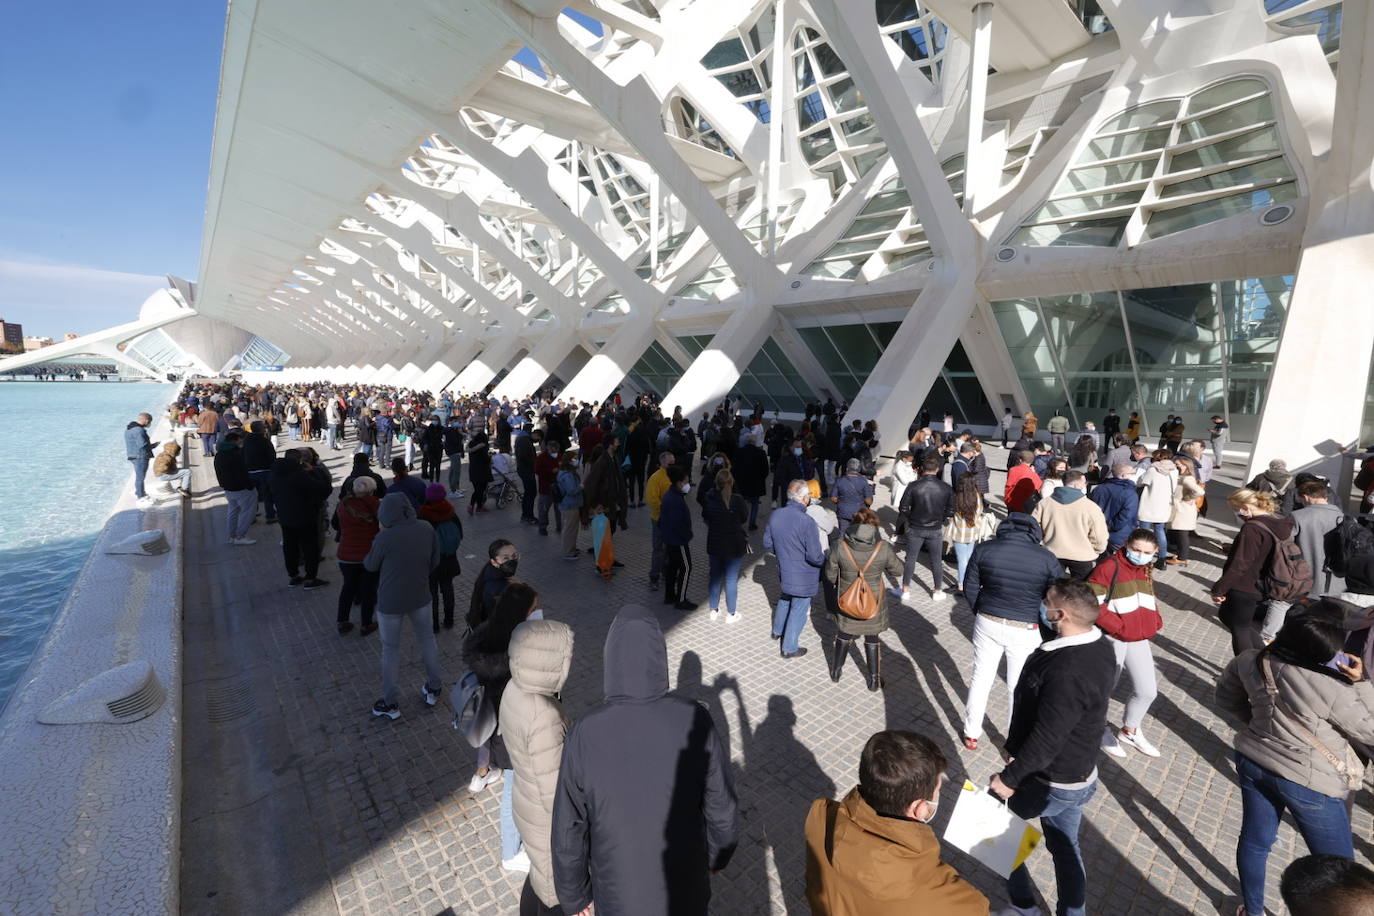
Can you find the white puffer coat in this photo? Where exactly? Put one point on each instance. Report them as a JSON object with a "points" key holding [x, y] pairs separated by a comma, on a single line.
{"points": [[533, 726]]}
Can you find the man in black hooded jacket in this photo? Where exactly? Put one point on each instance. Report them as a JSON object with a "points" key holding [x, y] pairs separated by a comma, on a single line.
{"points": [[645, 808]]}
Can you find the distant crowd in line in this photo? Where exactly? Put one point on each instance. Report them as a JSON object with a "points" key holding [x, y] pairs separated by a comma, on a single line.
{"points": [[632, 806]]}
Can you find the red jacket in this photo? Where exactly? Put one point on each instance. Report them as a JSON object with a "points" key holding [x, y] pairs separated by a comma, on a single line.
{"points": [[545, 470], [1022, 481], [357, 527]]}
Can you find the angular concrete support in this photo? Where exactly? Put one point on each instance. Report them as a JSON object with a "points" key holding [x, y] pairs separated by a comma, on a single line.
{"points": [[416, 366], [1316, 395], [495, 356], [912, 361], [447, 366], [532, 371], [718, 368], [608, 368]]}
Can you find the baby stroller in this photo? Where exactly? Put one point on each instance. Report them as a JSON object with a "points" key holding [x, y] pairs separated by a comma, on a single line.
{"points": [[505, 483]]}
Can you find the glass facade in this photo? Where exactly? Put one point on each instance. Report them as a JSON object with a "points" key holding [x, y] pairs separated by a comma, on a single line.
{"points": [[769, 379], [656, 371], [1196, 349], [1319, 17], [920, 35], [1174, 164]]}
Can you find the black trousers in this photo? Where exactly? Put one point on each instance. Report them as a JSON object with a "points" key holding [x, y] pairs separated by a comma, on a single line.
{"points": [[531, 490], [361, 584], [441, 583], [301, 544], [1240, 612], [531, 905], [430, 462], [1079, 569], [677, 572], [1182, 541]]}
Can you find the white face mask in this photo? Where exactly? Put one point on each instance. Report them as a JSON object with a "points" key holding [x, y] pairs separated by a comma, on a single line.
{"points": [[536, 614]]}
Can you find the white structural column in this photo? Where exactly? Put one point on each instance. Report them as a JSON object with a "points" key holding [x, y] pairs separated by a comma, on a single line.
{"points": [[912, 361], [495, 356], [608, 368], [446, 366], [534, 368], [977, 101], [1316, 394], [718, 368]]}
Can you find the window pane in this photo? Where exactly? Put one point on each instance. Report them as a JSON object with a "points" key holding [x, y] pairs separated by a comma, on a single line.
{"points": [[857, 346], [1259, 171], [810, 110], [1164, 222], [1086, 179], [725, 54], [1100, 232], [1225, 92], [1126, 144], [1073, 206], [860, 130], [1251, 112], [839, 270], [891, 12], [742, 82], [828, 60], [817, 146], [1255, 143], [905, 259], [888, 200], [869, 224], [1144, 116], [845, 95]]}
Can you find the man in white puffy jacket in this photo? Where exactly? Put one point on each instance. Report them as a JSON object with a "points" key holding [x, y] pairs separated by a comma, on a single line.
{"points": [[533, 728]]}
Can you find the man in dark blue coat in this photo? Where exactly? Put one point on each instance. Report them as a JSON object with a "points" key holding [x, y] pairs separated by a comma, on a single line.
{"points": [[793, 538], [645, 809], [1119, 502]]}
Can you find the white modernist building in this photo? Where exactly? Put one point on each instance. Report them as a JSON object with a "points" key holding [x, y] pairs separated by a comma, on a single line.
{"points": [[1161, 206]]}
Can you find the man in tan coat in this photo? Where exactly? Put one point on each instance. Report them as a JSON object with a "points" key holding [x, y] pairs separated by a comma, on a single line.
{"points": [[873, 854], [209, 430], [1075, 528]]}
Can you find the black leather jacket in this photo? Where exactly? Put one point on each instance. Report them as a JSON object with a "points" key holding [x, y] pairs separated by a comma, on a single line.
{"points": [[927, 502]]}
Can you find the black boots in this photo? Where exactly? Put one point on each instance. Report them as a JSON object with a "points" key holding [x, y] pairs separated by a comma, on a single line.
{"points": [[873, 654], [838, 656]]}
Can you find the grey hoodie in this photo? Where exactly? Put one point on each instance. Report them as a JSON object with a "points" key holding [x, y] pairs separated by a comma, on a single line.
{"points": [[405, 551]]}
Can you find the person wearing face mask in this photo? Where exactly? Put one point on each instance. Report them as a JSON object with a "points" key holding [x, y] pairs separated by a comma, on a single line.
{"points": [[873, 853], [719, 462], [1058, 714], [675, 526], [1238, 593], [573, 504], [502, 562], [546, 468], [1125, 588], [654, 491], [793, 464]]}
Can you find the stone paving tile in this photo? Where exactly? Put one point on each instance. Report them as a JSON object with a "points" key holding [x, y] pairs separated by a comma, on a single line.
{"points": [[401, 833]]}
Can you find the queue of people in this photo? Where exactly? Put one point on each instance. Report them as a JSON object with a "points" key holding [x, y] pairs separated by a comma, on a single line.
{"points": [[1060, 581]]}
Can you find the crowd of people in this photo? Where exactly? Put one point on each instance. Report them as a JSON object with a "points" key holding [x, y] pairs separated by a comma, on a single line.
{"points": [[633, 806]]}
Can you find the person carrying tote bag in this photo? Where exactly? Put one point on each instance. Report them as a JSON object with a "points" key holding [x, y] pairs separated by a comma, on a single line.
{"points": [[862, 552]]}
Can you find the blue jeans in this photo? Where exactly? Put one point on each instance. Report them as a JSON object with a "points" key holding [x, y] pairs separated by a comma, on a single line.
{"points": [[753, 502], [790, 618], [140, 471], [510, 836], [724, 571], [1322, 820], [1060, 812], [1158, 529], [961, 553], [207, 443]]}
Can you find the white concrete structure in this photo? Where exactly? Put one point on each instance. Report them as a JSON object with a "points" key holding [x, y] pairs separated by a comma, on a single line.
{"points": [[1160, 206]]}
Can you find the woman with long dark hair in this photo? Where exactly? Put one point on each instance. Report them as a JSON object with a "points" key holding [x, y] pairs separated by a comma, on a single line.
{"points": [[1298, 705], [970, 524]]}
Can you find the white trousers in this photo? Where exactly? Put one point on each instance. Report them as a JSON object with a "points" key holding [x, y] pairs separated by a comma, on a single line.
{"points": [[991, 641]]}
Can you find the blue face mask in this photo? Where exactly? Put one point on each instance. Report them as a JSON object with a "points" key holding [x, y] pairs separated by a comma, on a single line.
{"points": [[1138, 558], [797, 452], [1045, 617]]}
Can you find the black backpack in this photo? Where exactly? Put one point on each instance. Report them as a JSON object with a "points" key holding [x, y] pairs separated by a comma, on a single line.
{"points": [[1352, 537]]}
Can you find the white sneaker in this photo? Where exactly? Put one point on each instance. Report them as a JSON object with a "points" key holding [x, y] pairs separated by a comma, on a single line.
{"points": [[732, 618], [939, 595], [518, 862], [480, 782], [715, 613], [146, 502], [242, 542], [1137, 741], [902, 593], [1110, 744], [431, 697]]}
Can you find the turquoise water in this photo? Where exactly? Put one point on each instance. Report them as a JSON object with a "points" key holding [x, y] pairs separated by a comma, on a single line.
{"points": [[62, 466]]}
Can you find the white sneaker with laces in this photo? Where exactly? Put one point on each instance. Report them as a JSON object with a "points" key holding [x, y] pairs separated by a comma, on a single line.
{"points": [[1138, 741], [431, 697], [715, 613], [732, 618], [518, 862], [1110, 744], [242, 542], [939, 595], [480, 782]]}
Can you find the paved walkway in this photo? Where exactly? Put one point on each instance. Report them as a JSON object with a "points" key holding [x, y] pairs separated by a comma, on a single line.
{"points": [[298, 800]]}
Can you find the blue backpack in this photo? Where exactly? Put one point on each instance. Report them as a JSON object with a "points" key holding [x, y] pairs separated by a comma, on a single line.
{"points": [[450, 533]]}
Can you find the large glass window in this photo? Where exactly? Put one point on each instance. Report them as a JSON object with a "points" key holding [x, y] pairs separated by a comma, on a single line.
{"points": [[656, 370], [769, 379], [921, 36], [1178, 163], [1319, 17], [1197, 349], [827, 99], [740, 62]]}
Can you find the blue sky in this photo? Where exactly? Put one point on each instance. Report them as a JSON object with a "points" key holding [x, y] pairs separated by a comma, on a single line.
{"points": [[106, 113]]}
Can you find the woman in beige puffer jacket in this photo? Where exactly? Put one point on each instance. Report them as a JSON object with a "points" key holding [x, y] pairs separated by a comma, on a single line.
{"points": [[533, 728]]}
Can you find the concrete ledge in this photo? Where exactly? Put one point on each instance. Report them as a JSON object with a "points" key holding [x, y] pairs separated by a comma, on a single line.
{"points": [[91, 813]]}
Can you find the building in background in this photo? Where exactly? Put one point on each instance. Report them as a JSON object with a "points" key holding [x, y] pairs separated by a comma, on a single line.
{"points": [[11, 337], [37, 343]]}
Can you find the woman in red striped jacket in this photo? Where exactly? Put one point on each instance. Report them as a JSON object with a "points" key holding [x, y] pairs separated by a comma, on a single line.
{"points": [[1130, 617]]}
